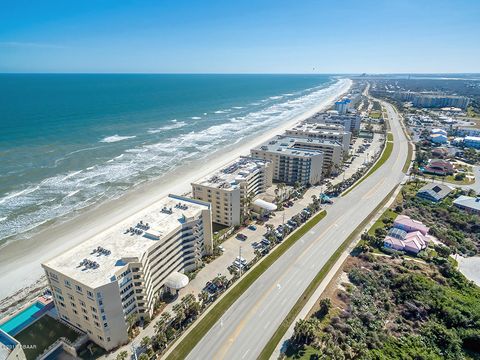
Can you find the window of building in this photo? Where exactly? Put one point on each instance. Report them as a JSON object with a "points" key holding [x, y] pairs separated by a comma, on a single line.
{"points": [[97, 324], [105, 325], [100, 337], [108, 339], [67, 284], [93, 309], [90, 294], [78, 288], [85, 317]]}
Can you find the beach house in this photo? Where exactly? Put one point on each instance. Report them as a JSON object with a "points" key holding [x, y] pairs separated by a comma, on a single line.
{"points": [[407, 235]]}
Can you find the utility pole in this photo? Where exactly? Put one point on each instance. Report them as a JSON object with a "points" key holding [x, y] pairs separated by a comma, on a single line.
{"points": [[134, 351], [240, 259]]}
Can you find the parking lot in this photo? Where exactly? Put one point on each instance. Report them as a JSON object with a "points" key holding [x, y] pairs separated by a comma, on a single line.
{"points": [[243, 246]]}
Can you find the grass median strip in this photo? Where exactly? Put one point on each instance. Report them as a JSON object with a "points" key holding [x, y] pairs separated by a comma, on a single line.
{"points": [[310, 290], [203, 326], [409, 158], [383, 158]]}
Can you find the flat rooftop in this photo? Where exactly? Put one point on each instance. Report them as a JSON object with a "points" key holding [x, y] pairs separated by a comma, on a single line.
{"points": [[295, 145], [315, 128], [230, 176], [130, 238]]}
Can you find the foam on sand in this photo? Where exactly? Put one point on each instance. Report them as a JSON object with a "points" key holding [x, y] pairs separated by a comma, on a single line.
{"points": [[174, 162]]}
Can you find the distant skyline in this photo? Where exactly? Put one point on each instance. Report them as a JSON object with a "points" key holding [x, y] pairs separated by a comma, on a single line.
{"points": [[264, 36]]}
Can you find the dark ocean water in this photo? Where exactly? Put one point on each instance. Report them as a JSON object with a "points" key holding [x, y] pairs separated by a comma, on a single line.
{"points": [[70, 141]]}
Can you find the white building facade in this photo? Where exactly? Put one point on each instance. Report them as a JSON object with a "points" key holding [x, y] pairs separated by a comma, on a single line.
{"points": [[120, 273], [231, 189]]}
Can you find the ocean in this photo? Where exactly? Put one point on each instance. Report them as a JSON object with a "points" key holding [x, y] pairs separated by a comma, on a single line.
{"points": [[70, 141]]}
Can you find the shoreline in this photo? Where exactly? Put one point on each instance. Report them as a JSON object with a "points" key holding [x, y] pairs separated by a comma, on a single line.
{"points": [[20, 260]]}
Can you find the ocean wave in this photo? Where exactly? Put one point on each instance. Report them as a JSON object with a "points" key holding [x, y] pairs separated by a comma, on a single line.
{"points": [[116, 138], [275, 97], [196, 118], [76, 190], [175, 125], [238, 107]]}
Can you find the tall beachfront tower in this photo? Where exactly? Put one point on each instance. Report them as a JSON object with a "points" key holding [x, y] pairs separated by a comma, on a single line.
{"points": [[122, 272], [231, 188]]}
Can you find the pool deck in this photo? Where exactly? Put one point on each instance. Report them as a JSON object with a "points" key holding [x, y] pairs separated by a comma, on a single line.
{"points": [[46, 305]]}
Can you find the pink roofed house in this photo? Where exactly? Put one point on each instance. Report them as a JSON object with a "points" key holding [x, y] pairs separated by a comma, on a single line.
{"points": [[408, 235], [404, 222], [393, 243], [415, 242]]}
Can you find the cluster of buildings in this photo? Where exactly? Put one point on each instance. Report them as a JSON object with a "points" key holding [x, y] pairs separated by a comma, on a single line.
{"points": [[342, 106], [433, 100], [438, 136], [123, 272], [408, 235]]}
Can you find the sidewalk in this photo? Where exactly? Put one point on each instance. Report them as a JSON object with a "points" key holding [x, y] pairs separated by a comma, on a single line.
{"points": [[328, 278]]}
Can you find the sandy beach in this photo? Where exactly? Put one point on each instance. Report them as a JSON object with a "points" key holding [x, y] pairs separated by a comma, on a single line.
{"points": [[20, 260]]}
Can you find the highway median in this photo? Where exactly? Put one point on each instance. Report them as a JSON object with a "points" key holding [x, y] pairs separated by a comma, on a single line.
{"points": [[186, 345], [310, 290]]}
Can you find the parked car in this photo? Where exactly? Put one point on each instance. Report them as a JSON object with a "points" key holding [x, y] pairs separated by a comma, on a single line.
{"points": [[242, 237], [265, 242], [252, 227]]}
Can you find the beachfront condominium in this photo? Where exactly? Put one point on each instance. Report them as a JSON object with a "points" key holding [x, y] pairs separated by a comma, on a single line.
{"points": [[120, 274], [332, 132], [343, 105], [351, 122], [332, 152], [292, 163], [231, 189]]}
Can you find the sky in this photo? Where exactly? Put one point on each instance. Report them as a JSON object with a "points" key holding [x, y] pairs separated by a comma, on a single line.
{"points": [[240, 36]]}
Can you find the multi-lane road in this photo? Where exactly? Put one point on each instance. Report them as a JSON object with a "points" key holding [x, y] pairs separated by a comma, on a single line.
{"points": [[249, 323]]}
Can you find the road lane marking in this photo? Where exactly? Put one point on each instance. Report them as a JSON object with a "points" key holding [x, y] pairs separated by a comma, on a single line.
{"points": [[245, 354]]}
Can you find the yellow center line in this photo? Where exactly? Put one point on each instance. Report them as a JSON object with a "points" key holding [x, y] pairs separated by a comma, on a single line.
{"points": [[224, 349]]}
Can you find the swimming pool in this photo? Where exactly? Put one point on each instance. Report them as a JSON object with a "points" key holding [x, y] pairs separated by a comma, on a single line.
{"points": [[20, 321]]}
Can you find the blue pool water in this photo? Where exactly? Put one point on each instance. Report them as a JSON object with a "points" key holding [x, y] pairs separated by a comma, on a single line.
{"points": [[21, 320]]}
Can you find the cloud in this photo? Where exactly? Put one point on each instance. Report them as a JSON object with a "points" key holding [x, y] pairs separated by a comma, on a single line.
{"points": [[19, 44]]}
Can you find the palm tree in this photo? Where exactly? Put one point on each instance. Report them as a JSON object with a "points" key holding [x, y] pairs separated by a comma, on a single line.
{"points": [[162, 324], [246, 207], [179, 311], [304, 332], [270, 228], [131, 320], [203, 297], [122, 355], [146, 341]]}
